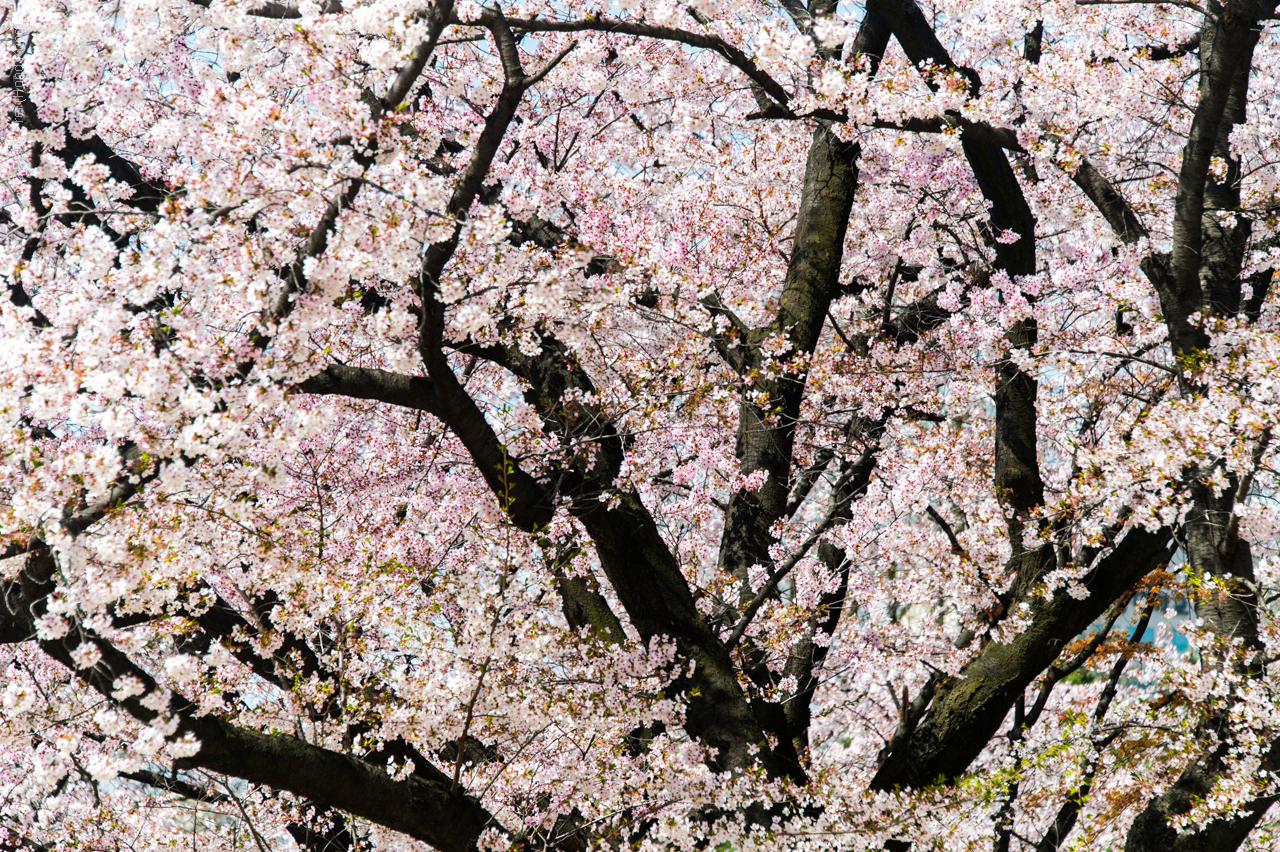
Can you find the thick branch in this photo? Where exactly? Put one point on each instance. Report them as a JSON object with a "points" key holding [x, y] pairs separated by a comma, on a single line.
{"points": [[1226, 54], [1016, 473], [767, 432], [421, 805], [362, 383], [636, 560], [968, 709], [835, 512]]}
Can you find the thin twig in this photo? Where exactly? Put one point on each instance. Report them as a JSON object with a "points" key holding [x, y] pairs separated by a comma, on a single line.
{"points": [[785, 568], [1109, 693], [1123, 356], [1056, 674], [253, 832], [840, 333], [466, 726], [947, 531]]}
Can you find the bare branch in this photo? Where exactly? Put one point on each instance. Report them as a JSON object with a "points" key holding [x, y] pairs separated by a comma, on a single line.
{"points": [[175, 785], [733, 55]]}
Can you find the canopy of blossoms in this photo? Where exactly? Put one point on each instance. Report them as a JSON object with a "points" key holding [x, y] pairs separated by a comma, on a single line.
{"points": [[723, 425]]}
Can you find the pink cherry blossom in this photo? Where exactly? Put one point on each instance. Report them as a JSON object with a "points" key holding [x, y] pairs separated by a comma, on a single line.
{"points": [[651, 425]]}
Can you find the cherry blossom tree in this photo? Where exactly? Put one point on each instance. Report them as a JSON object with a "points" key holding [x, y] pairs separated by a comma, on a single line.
{"points": [[723, 425]]}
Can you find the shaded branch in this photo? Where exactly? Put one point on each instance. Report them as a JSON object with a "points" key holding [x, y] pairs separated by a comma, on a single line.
{"points": [[123, 489], [1056, 673]]}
